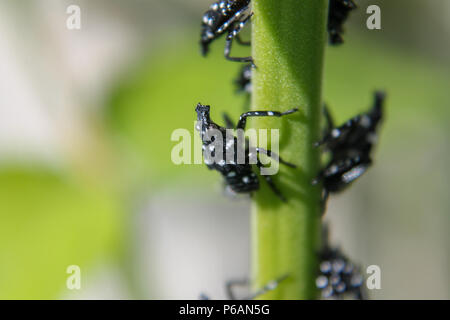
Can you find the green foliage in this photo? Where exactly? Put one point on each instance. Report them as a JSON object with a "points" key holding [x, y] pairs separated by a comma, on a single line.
{"points": [[49, 221]]}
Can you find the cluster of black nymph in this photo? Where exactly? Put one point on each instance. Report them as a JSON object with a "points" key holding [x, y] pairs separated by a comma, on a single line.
{"points": [[338, 278], [349, 146], [229, 17]]}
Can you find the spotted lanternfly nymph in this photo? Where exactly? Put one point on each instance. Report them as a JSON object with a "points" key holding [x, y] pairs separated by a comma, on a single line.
{"points": [[238, 175], [338, 277], [350, 146], [337, 15], [230, 16], [225, 16]]}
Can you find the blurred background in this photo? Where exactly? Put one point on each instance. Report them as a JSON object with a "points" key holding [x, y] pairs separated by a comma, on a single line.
{"points": [[85, 172]]}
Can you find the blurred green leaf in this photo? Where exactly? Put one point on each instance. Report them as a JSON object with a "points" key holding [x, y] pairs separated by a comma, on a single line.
{"points": [[417, 89], [49, 221]]}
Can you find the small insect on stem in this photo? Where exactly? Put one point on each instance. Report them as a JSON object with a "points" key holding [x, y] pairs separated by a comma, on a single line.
{"points": [[218, 145], [337, 15], [338, 277], [350, 146], [230, 17], [225, 17]]}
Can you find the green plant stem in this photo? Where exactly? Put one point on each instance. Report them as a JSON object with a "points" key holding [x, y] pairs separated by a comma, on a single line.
{"points": [[288, 43]]}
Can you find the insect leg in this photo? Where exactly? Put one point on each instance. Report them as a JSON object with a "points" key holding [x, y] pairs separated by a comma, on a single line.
{"points": [[377, 110], [247, 102], [228, 45], [323, 201], [329, 126], [243, 118], [232, 284], [328, 118], [272, 285], [275, 156], [325, 192], [229, 42], [242, 42], [203, 296], [272, 184], [227, 119]]}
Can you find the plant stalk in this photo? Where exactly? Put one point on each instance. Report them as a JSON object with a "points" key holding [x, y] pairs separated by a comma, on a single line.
{"points": [[288, 43]]}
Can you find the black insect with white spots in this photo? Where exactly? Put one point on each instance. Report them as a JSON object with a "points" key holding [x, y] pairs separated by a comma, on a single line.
{"points": [[337, 15], [225, 17], [230, 17], [338, 278], [350, 147], [238, 175]]}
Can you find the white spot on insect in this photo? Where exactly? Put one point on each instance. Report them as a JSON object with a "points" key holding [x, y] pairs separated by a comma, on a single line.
{"points": [[366, 121], [246, 180], [333, 169], [325, 266], [270, 113], [353, 174], [335, 133], [221, 163], [231, 174], [338, 265], [340, 287], [321, 282]]}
